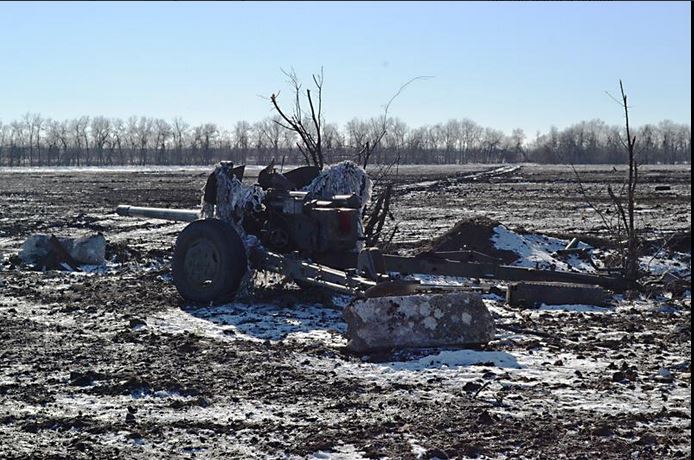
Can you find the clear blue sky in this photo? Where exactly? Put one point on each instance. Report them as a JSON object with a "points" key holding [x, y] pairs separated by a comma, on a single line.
{"points": [[505, 65]]}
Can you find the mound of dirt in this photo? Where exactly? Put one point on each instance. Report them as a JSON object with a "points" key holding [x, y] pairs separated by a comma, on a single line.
{"points": [[472, 234]]}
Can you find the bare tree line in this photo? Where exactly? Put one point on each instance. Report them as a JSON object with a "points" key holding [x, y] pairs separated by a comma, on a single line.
{"points": [[90, 141]]}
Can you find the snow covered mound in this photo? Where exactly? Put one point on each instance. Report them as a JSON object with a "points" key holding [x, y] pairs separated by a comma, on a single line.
{"points": [[532, 250], [539, 251]]}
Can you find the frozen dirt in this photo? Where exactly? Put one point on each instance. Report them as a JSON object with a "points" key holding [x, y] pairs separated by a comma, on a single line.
{"points": [[110, 363]]}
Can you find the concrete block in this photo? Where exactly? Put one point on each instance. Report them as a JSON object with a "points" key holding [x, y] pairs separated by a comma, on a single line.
{"points": [[418, 321]]}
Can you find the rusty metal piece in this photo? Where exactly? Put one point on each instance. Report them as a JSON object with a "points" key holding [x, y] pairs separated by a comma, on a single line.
{"points": [[572, 244], [531, 294], [393, 288], [446, 267]]}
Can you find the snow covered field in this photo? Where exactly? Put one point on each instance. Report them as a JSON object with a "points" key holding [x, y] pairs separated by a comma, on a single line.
{"points": [[110, 363]]}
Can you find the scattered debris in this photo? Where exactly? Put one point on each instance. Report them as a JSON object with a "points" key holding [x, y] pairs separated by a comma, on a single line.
{"points": [[573, 244], [50, 252]]}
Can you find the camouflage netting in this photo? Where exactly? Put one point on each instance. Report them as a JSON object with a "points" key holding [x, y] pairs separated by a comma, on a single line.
{"points": [[343, 178], [233, 198]]}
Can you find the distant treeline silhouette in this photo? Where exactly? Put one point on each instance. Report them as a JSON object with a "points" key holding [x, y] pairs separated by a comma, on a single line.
{"points": [[100, 141]]}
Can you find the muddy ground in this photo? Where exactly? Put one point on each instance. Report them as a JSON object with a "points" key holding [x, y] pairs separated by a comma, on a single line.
{"points": [[111, 363]]}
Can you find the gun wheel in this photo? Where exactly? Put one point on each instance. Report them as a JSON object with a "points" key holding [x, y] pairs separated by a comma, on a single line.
{"points": [[209, 261]]}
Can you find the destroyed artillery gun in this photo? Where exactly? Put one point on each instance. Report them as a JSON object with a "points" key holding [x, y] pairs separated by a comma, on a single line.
{"points": [[287, 225], [290, 232]]}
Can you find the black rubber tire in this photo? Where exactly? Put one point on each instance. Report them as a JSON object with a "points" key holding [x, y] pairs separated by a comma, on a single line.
{"points": [[209, 262]]}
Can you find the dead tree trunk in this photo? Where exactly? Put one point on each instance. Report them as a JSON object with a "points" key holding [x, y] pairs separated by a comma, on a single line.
{"points": [[631, 263], [625, 226]]}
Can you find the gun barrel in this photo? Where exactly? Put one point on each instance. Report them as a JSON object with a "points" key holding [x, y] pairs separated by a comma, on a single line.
{"points": [[180, 215]]}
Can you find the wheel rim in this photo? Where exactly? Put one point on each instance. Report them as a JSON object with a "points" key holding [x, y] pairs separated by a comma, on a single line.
{"points": [[202, 263]]}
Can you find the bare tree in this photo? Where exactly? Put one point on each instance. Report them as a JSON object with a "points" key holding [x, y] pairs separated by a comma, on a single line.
{"points": [[450, 133], [625, 224], [80, 140], [631, 260], [61, 131], [143, 136], [375, 215], [17, 142], [271, 132], [470, 138], [37, 126], [163, 132], [381, 126], [179, 129], [517, 138], [258, 140], [208, 132], [242, 140], [416, 144], [101, 132], [289, 139], [333, 142], [382, 140], [491, 140], [357, 132], [28, 129], [306, 124]]}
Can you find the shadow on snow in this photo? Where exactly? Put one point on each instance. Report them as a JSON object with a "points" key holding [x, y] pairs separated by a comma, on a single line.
{"points": [[272, 322]]}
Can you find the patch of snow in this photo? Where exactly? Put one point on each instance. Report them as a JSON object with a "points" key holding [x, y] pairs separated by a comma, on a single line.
{"points": [[575, 308], [667, 309], [341, 300], [535, 251], [440, 280], [340, 452], [677, 263], [455, 358], [417, 450], [143, 393], [256, 322], [493, 297]]}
